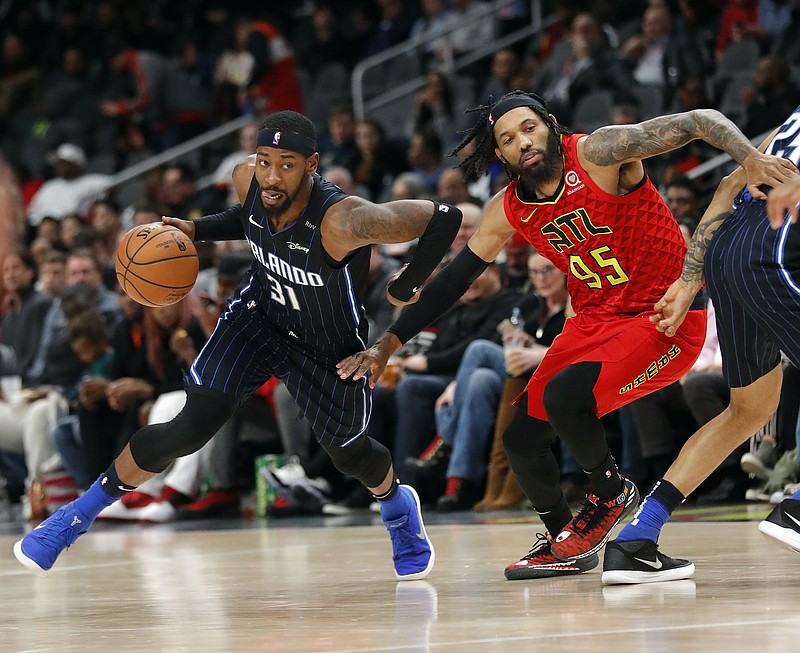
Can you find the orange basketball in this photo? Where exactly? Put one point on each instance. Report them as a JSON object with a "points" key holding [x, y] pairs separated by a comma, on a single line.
{"points": [[156, 264]]}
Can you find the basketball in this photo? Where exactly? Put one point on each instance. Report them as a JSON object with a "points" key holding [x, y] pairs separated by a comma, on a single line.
{"points": [[156, 264]]}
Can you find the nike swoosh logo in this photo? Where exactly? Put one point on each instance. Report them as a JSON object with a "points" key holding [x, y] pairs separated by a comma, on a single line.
{"points": [[251, 221], [420, 535], [415, 290], [125, 489], [792, 518], [655, 565]]}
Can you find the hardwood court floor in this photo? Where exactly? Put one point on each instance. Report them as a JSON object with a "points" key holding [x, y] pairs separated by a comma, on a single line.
{"points": [[303, 587]]}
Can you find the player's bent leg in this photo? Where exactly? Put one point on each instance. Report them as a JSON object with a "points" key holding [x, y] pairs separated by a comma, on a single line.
{"points": [[370, 462], [150, 451], [634, 557]]}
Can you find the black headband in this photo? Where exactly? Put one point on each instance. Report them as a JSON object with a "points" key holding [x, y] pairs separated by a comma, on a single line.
{"points": [[271, 137], [504, 105]]}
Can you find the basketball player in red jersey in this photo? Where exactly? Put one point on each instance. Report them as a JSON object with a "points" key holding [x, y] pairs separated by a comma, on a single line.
{"points": [[585, 203]]}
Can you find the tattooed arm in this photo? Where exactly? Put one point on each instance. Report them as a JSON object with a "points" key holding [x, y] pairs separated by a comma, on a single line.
{"points": [[353, 223], [673, 306], [624, 145]]}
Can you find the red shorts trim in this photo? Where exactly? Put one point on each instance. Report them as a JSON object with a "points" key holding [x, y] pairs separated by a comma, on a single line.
{"points": [[637, 359]]}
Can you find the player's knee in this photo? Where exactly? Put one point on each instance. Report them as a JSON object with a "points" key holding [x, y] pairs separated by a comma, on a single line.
{"points": [[752, 408], [154, 447], [364, 459]]}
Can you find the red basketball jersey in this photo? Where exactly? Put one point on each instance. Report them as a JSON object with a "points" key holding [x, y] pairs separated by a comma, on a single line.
{"points": [[620, 253]]}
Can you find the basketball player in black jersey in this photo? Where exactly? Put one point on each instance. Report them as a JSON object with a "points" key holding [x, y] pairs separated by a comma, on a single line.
{"points": [[299, 314]]}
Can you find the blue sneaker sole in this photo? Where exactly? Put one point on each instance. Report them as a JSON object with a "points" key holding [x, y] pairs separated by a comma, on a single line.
{"points": [[420, 574], [28, 562]]}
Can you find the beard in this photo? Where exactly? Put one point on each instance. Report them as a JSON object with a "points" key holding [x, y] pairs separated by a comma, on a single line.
{"points": [[544, 172], [279, 209]]}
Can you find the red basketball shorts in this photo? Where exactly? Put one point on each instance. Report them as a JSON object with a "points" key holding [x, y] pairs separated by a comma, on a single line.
{"points": [[637, 359]]}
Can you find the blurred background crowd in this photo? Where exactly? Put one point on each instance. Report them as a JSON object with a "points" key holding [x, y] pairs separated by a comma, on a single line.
{"points": [[98, 101]]}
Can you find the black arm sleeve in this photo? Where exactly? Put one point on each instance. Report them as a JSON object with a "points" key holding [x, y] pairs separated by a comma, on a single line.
{"points": [[432, 246], [439, 295], [220, 226]]}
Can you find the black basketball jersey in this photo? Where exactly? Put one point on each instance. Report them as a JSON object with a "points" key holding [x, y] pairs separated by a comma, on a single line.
{"points": [[304, 294]]}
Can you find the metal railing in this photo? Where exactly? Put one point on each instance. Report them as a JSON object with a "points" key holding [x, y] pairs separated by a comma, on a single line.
{"points": [[362, 106], [174, 153]]}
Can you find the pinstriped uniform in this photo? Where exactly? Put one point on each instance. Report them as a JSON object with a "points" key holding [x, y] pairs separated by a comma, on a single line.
{"points": [[753, 276], [298, 315]]}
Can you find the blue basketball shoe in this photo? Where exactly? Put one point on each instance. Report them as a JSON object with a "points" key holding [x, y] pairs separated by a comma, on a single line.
{"points": [[40, 548], [413, 552]]}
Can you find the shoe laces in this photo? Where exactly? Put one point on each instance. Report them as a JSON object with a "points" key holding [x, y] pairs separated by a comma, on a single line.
{"points": [[540, 547], [588, 512], [54, 535]]}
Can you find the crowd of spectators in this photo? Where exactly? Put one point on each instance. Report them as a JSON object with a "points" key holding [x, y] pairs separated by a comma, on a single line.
{"points": [[89, 88]]}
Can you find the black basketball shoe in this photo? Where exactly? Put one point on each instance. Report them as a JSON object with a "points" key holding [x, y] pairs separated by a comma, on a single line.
{"points": [[783, 524], [640, 561]]}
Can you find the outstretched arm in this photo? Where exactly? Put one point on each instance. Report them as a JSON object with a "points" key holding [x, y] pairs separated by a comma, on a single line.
{"points": [[625, 144], [675, 303], [354, 222], [438, 296]]}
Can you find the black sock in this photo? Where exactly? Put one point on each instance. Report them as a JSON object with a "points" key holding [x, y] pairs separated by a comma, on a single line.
{"points": [[112, 486], [389, 494], [667, 495], [605, 479], [556, 517]]}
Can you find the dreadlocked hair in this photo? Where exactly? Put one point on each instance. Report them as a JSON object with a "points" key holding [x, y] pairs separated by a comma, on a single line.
{"points": [[477, 163]]}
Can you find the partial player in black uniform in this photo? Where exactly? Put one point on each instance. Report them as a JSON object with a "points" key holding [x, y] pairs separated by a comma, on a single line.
{"points": [[751, 262], [299, 314]]}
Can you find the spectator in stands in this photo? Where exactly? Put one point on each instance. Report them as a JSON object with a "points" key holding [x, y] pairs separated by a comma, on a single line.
{"points": [[452, 188], [434, 21], [150, 358], [273, 85], [379, 161], [682, 196], [72, 190], [133, 100], [104, 215], [340, 148], [178, 195], [739, 21], [52, 273], [543, 313], [22, 311], [70, 101], [222, 177], [654, 55], [394, 26], [233, 70], [504, 68], [427, 375], [470, 221], [425, 158], [433, 107], [186, 96], [772, 96], [343, 178], [320, 41], [514, 273], [582, 63], [474, 27], [697, 30], [18, 79]]}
